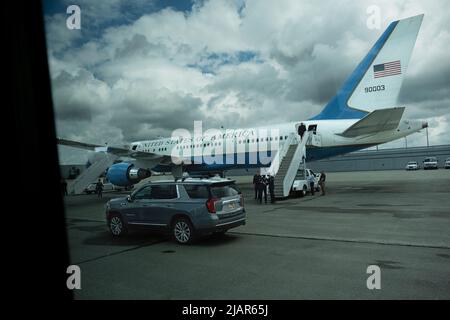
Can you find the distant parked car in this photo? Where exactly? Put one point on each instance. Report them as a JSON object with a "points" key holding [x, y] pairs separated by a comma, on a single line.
{"points": [[412, 165], [430, 163], [107, 186], [447, 163], [301, 186], [184, 208]]}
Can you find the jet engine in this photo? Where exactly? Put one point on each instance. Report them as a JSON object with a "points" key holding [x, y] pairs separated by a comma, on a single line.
{"points": [[125, 174]]}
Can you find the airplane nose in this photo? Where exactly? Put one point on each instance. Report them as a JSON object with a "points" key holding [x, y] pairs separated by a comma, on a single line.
{"points": [[424, 124]]}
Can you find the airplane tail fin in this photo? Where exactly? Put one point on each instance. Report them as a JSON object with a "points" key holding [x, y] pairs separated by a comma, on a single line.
{"points": [[376, 81]]}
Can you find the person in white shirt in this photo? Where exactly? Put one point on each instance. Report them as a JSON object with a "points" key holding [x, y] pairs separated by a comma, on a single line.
{"points": [[311, 181]]}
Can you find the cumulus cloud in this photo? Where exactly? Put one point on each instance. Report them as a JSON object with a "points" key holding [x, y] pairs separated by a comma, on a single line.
{"points": [[79, 97], [152, 113], [139, 70]]}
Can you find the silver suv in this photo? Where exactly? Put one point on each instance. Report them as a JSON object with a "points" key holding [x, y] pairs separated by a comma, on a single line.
{"points": [[186, 208]]}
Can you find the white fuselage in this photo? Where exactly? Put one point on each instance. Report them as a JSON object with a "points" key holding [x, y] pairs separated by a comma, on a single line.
{"points": [[236, 141]]}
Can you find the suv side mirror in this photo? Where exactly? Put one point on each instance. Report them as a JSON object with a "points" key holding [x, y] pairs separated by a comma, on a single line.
{"points": [[129, 199]]}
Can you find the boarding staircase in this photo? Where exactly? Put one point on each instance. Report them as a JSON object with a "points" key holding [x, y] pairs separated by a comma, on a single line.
{"points": [[288, 160], [91, 174]]}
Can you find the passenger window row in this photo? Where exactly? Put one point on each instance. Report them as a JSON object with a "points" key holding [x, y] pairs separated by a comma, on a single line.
{"points": [[240, 142]]}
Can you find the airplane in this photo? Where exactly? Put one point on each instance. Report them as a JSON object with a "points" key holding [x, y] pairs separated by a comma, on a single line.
{"points": [[362, 114]]}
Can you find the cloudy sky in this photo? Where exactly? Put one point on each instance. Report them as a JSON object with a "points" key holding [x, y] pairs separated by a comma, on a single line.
{"points": [[140, 69]]}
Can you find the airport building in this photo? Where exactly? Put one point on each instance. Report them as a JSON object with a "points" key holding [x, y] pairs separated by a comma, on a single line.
{"points": [[382, 159], [371, 160]]}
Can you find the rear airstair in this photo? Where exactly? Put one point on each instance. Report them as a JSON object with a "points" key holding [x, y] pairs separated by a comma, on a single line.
{"points": [[289, 158], [91, 174]]}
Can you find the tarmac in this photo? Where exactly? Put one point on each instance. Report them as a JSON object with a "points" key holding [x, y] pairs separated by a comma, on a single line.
{"points": [[315, 247]]}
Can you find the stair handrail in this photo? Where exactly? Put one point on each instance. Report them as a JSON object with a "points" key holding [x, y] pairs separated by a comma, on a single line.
{"points": [[300, 152], [279, 156]]}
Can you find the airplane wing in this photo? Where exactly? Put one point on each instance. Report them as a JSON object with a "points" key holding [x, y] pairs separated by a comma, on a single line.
{"points": [[376, 121], [121, 151], [76, 144]]}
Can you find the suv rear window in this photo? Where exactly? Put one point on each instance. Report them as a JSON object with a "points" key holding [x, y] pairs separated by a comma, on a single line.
{"points": [[196, 191], [222, 191]]}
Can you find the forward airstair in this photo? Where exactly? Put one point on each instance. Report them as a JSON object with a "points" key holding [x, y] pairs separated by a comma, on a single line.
{"points": [[289, 159]]}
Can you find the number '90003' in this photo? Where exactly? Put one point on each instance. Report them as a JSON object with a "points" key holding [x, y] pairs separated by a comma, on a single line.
{"points": [[374, 88]]}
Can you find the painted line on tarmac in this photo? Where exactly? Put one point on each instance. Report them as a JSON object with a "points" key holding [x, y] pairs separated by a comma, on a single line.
{"points": [[275, 207], [402, 244], [146, 244]]}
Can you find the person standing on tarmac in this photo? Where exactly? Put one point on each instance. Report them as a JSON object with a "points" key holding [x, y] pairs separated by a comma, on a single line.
{"points": [[272, 189], [64, 187], [311, 181], [99, 188], [322, 182], [255, 183], [260, 186], [265, 182]]}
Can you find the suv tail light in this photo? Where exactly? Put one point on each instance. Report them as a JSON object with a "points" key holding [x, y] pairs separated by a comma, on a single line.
{"points": [[242, 201], [211, 205]]}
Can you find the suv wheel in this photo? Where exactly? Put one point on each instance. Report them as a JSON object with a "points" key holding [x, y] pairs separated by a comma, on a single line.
{"points": [[116, 226], [182, 231]]}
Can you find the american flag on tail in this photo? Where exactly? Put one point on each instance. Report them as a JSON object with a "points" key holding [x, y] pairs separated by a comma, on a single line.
{"points": [[387, 69]]}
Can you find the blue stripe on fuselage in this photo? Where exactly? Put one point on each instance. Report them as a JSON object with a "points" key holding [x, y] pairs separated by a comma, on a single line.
{"points": [[312, 154]]}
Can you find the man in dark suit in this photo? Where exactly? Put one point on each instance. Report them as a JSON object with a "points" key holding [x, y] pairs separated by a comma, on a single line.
{"points": [[272, 188], [255, 183], [99, 188], [265, 182], [301, 130], [260, 186]]}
